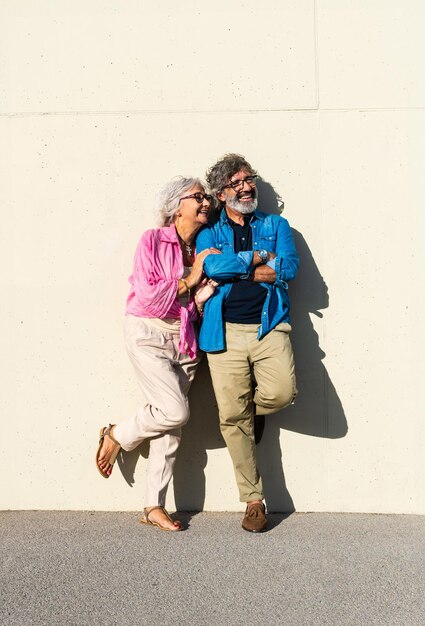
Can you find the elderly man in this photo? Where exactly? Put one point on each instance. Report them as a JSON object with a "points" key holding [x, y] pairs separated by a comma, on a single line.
{"points": [[245, 329]]}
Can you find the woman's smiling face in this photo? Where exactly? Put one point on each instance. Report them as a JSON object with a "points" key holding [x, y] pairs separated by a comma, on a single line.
{"points": [[196, 208]]}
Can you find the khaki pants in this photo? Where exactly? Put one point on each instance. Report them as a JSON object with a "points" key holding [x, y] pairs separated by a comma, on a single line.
{"points": [[271, 362], [164, 377]]}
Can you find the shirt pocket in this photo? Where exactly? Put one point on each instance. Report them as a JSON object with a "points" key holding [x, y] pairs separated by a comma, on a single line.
{"points": [[225, 247], [268, 242]]}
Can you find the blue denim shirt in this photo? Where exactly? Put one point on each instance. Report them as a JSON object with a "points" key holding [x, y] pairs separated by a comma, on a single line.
{"points": [[269, 232]]}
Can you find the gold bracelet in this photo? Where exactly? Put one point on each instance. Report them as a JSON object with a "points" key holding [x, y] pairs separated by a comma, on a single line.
{"points": [[187, 286]]}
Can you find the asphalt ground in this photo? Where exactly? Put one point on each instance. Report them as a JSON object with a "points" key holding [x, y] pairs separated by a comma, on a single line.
{"points": [[107, 569]]}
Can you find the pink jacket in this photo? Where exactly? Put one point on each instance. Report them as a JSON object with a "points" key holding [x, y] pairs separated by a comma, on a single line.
{"points": [[158, 265]]}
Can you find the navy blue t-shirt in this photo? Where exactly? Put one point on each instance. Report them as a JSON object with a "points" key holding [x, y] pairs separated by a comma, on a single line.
{"points": [[245, 302]]}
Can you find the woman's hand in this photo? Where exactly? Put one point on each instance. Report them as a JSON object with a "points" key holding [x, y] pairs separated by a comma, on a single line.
{"points": [[197, 271], [204, 291]]}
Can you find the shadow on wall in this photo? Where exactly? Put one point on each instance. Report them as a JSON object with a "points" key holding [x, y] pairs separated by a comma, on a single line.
{"points": [[317, 411]]}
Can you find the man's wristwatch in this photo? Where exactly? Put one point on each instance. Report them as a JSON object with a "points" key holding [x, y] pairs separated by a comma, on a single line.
{"points": [[264, 255]]}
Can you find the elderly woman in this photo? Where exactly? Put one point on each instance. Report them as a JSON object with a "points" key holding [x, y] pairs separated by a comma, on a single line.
{"points": [[161, 341]]}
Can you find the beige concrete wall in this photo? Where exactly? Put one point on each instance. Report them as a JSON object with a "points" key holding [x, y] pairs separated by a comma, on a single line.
{"points": [[100, 103]]}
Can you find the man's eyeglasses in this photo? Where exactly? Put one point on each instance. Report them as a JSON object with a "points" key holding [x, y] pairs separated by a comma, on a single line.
{"points": [[199, 197], [237, 185]]}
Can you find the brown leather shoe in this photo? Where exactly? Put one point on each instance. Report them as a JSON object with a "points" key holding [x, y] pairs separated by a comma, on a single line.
{"points": [[255, 520]]}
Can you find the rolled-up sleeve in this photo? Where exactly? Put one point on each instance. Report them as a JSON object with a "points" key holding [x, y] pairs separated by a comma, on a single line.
{"points": [[228, 266], [287, 262], [153, 290], [222, 267]]}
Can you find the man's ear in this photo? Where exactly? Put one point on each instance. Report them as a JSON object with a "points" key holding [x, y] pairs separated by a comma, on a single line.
{"points": [[221, 196]]}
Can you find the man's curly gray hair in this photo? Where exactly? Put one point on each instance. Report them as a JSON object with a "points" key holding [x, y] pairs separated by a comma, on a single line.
{"points": [[221, 172], [169, 197]]}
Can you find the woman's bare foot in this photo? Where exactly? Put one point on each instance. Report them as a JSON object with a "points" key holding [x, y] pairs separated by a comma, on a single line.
{"points": [[158, 517], [108, 452]]}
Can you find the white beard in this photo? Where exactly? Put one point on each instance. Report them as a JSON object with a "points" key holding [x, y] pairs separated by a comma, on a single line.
{"points": [[243, 207]]}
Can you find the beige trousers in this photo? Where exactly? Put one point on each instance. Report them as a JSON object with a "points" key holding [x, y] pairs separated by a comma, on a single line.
{"points": [[271, 362], [164, 377]]}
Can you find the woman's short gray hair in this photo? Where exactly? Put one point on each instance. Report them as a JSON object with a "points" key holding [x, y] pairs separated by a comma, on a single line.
{"points": [[169, 197]]}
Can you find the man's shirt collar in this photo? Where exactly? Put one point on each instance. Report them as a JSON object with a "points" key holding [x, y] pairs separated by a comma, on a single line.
{"points": [[255, 215]]}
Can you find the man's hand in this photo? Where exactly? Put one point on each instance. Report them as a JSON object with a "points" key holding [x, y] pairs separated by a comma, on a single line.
{"points": [[263, 274]]}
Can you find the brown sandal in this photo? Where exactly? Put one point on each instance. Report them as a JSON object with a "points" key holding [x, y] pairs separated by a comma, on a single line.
{"points": [[106, 432], [145, 519]]}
